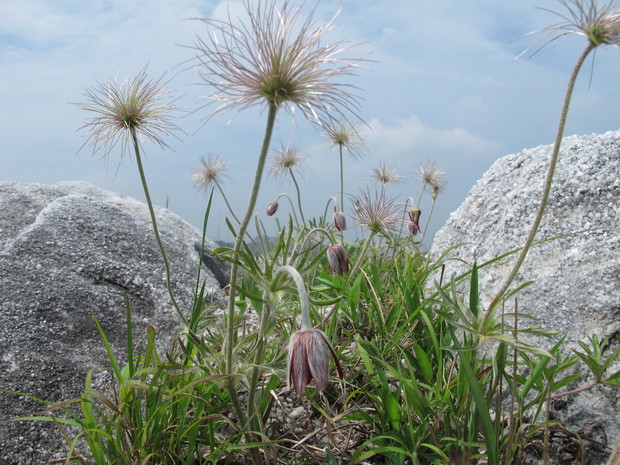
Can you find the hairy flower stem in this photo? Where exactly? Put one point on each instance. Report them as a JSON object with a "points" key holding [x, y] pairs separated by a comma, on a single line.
{"points": [[311, 233], [219, 188], [258, 358], [230, 329], [301, 213], [359, 259], [327, 207], [292, 206], [428, 218], [341, 180], [160, 244], [306, 323], [550, 172]]}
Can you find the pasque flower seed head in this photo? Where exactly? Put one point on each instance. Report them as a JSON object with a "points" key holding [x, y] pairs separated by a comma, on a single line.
{"points": [[275, 57]]}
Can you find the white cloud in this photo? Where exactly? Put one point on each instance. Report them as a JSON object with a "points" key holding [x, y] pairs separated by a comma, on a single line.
{"points": [[410, 141]]}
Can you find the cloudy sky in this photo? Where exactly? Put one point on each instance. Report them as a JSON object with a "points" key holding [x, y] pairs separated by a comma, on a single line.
{"points": [[443, 85]]}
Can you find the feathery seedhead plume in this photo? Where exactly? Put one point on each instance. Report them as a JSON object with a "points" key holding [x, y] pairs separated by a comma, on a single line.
{"points": [[274, 56], [431, 176], [340, 221], [134, 106], [272, 207], [337, 258], [599, 22], [377, 212], [286, 161], [308, 360], [386, 173], [213, 170], [344, 135]]}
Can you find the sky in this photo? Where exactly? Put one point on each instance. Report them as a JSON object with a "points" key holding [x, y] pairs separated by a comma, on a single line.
{"points": [[441, 84]]}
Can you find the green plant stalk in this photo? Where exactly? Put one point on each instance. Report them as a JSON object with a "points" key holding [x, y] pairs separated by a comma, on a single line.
{"points": [[301, 213], [149, 203], [311, 233], [359, 259], [292, 206], [219, 188], [405, 210], [550, 173], [428, 218], [341, 180], [253, 416], [230, 329]]}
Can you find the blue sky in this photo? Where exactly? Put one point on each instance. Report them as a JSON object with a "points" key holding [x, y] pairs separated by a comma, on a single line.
{"points": [[443, 86]]}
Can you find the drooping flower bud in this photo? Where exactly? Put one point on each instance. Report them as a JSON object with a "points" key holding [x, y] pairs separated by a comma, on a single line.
{"points": [[272, 208], [340, 222], [337, 258], [308, 360], [414, 223], [413, 228]]}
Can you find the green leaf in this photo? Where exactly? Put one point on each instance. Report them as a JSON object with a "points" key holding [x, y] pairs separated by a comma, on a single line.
{"points": [[483, 412], [391, 407], [424, 362], [473, 290]]}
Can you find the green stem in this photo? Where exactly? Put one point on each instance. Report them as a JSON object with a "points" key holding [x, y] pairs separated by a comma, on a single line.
{"points": [[428, 219], [327, 207], [359, 259], [260, 349], [301, 213], [242, 230], [160, 244], [306, 324], [292, 206], [341, 180], [219, 188], [311, 232], [230, 328], [550, 172]]}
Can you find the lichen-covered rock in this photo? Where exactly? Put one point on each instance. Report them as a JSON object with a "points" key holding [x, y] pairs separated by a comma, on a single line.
{"points": [[576, 273], [69, 251]]}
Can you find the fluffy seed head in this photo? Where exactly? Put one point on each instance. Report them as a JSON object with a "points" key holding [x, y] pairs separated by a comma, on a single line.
{"points": [[344, 135], [386, 173], [212, 171], [378, 213], [275, 56], [432, 177], [598, 21], [134, 106], [286, 161]]}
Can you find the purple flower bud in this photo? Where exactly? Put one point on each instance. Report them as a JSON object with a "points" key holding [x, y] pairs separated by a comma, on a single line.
{"points": [[340, 222], [337, 258], [413, 228], [272, 208], [414, 223], [414, 214], [308, 360]]}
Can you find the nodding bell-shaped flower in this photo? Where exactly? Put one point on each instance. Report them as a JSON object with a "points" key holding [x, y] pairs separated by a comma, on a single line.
{"points": [[414, 221], [337, 258], [272, 207], [308, 360], [340, 221]]}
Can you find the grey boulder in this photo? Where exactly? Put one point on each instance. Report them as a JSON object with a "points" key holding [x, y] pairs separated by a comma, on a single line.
{"points": [[576, 273], [69, 251]]}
